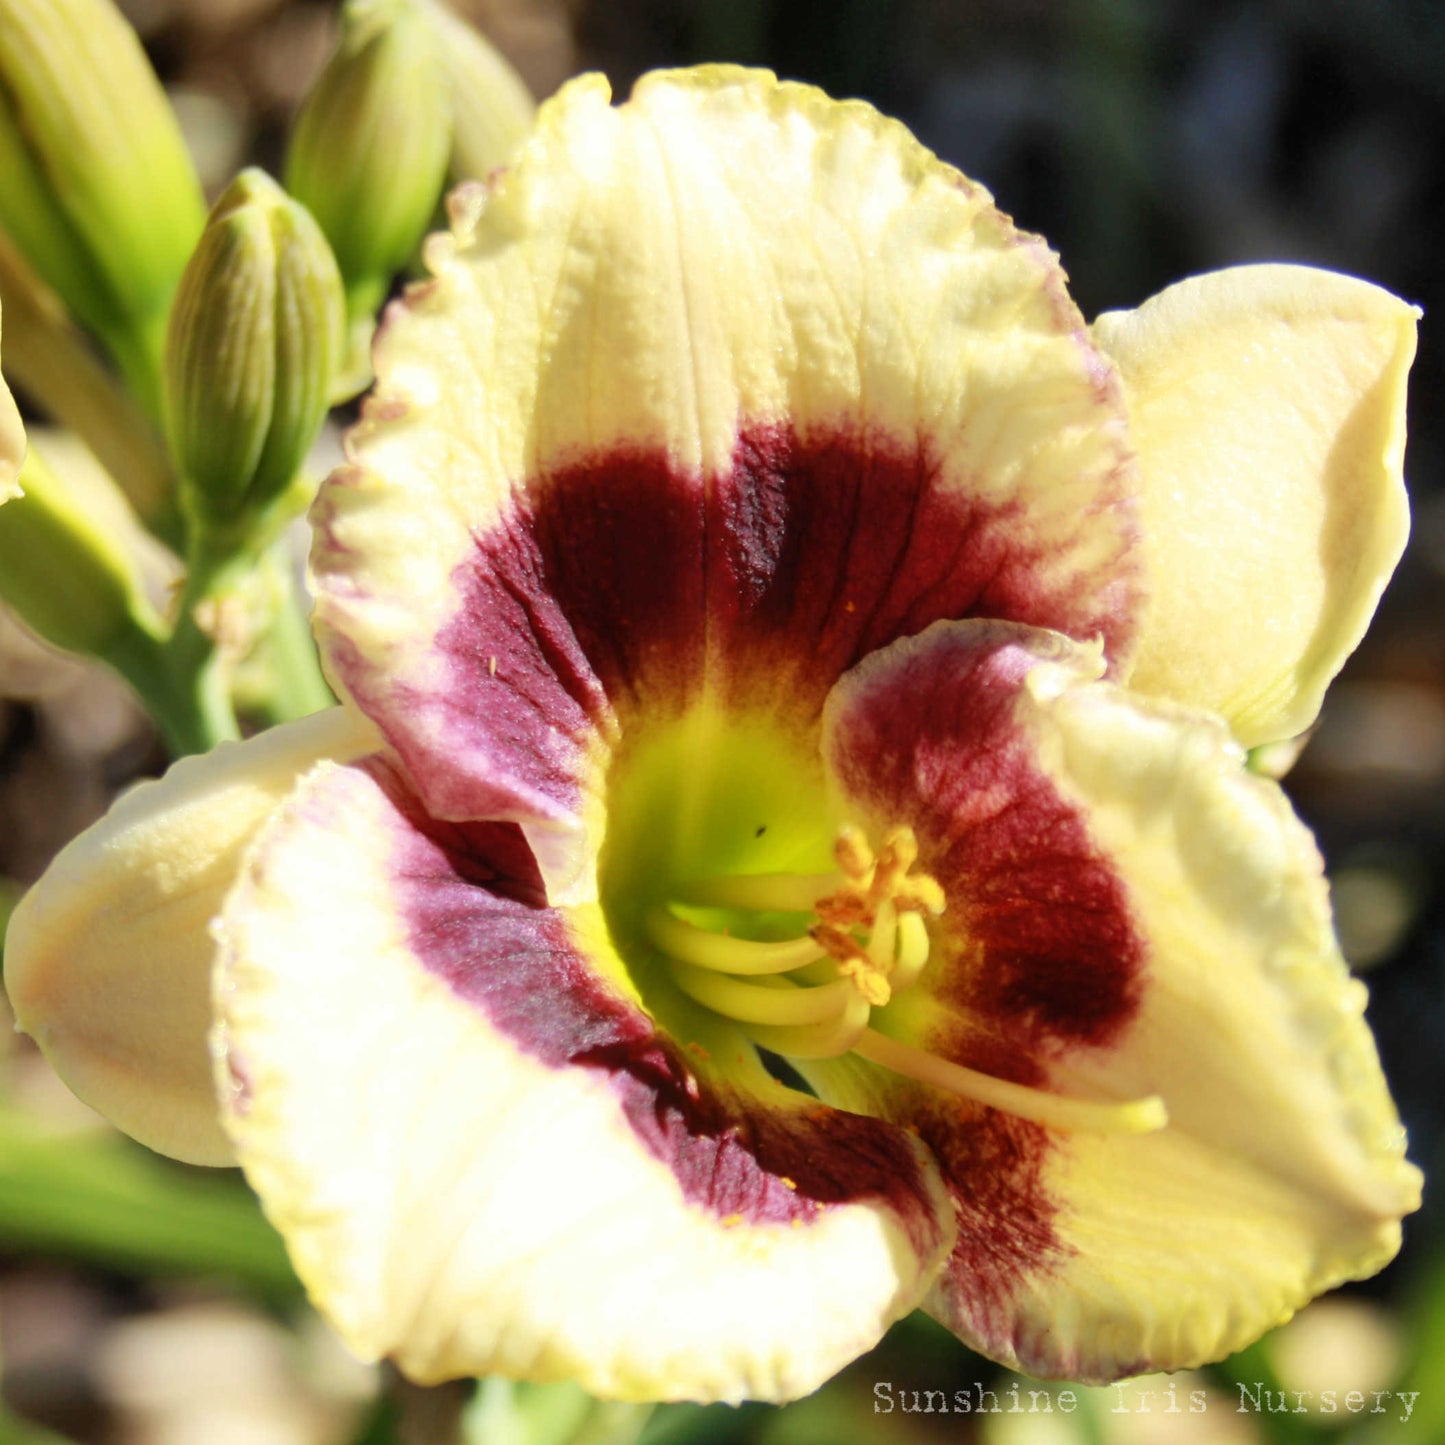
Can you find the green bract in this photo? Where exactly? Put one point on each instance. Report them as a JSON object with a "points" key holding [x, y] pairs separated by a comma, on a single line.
{"points": [[254, 337], [369, 151], [96, 187]]}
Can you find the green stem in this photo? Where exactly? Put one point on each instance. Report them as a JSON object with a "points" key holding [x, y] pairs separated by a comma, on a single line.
{"points": [[182, 683], [297, 687]]}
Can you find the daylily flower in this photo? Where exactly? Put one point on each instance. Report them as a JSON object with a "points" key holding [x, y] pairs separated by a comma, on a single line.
{"points": [[785, 855]]}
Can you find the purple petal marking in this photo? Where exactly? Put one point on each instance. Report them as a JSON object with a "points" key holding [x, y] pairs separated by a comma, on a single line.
{"points": [[1036, 954], [618, 583], [1037, 951], [993, 1167], [831, 547], [477, 918]]}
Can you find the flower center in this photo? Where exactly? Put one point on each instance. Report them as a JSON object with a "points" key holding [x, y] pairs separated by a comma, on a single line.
{"points": [[860, 937], [727, 887]]}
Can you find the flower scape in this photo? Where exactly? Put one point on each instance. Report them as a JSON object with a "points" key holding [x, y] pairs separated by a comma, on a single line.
{"points": [[786, 853]]}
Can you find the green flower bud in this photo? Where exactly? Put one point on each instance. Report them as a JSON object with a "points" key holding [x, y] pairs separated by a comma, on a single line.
{"points": [[96, 187], [66, 574], [492, 109], [369, 153], [255, 334]]}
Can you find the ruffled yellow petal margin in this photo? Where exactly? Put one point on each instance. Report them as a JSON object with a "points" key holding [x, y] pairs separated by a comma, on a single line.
{"points": [[108, 958], [1267, 404]]}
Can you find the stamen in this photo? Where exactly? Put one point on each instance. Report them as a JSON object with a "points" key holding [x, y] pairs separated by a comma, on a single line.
{"points": [[811, 997], [855, 962], [1135, 1116], [882, 946], [897, 855], [752, 1003], [912, 951], [854, 855], [759, 892], [920, 894], [820, 1041], [705, 949]]}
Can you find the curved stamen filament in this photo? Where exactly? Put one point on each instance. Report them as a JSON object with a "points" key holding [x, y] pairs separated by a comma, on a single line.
{"points": [[702, 948], [759, 892], [811, 997], [1134, 1116], [912, 951], [753, 1003], [817, 1041]]}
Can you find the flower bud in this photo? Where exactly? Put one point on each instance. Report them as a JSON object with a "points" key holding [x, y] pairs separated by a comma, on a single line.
{"points": [[369, 152], [492, 109], [98, 191], [255, 334], [67, 575]]}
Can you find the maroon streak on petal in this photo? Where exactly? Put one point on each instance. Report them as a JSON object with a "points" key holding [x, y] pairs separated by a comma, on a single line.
{"points": [[502, 728], [993, 1169], [826, 548], [617, 583], [1035, 955], [1037, 949], [476, 915]]}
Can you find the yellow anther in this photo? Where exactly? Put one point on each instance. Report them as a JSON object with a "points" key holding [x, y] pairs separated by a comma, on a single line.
{"points": [[853, 855], [844, 910], [867, 979], [919, 893], [897, 855]]}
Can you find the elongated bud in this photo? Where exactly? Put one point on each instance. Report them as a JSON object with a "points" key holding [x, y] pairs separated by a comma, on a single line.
{"points": [[96, 187], [369, 152], [492, 109], [255, 334], [69, 578]]}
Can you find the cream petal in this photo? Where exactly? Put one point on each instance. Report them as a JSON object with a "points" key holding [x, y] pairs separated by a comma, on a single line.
{"points": [[108, 957], [1267, 404], [1129, 914], [483, 1157], [1282, 1172], [726, 378]]}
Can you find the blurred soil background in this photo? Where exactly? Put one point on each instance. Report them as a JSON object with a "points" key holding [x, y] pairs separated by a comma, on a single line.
{"points": [[1147, 141]]}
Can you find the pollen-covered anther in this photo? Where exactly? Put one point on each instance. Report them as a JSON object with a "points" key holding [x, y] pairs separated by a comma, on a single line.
{"points": [[876, 889], [869, 975]]}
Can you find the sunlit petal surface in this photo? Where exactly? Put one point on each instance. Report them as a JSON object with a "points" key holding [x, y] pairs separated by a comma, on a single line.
{"points": [[108, 957], [1268, 407]]}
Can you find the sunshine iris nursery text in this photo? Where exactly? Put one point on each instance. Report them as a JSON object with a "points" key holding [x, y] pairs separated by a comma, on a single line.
{"points": [[1125, 1399]]}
